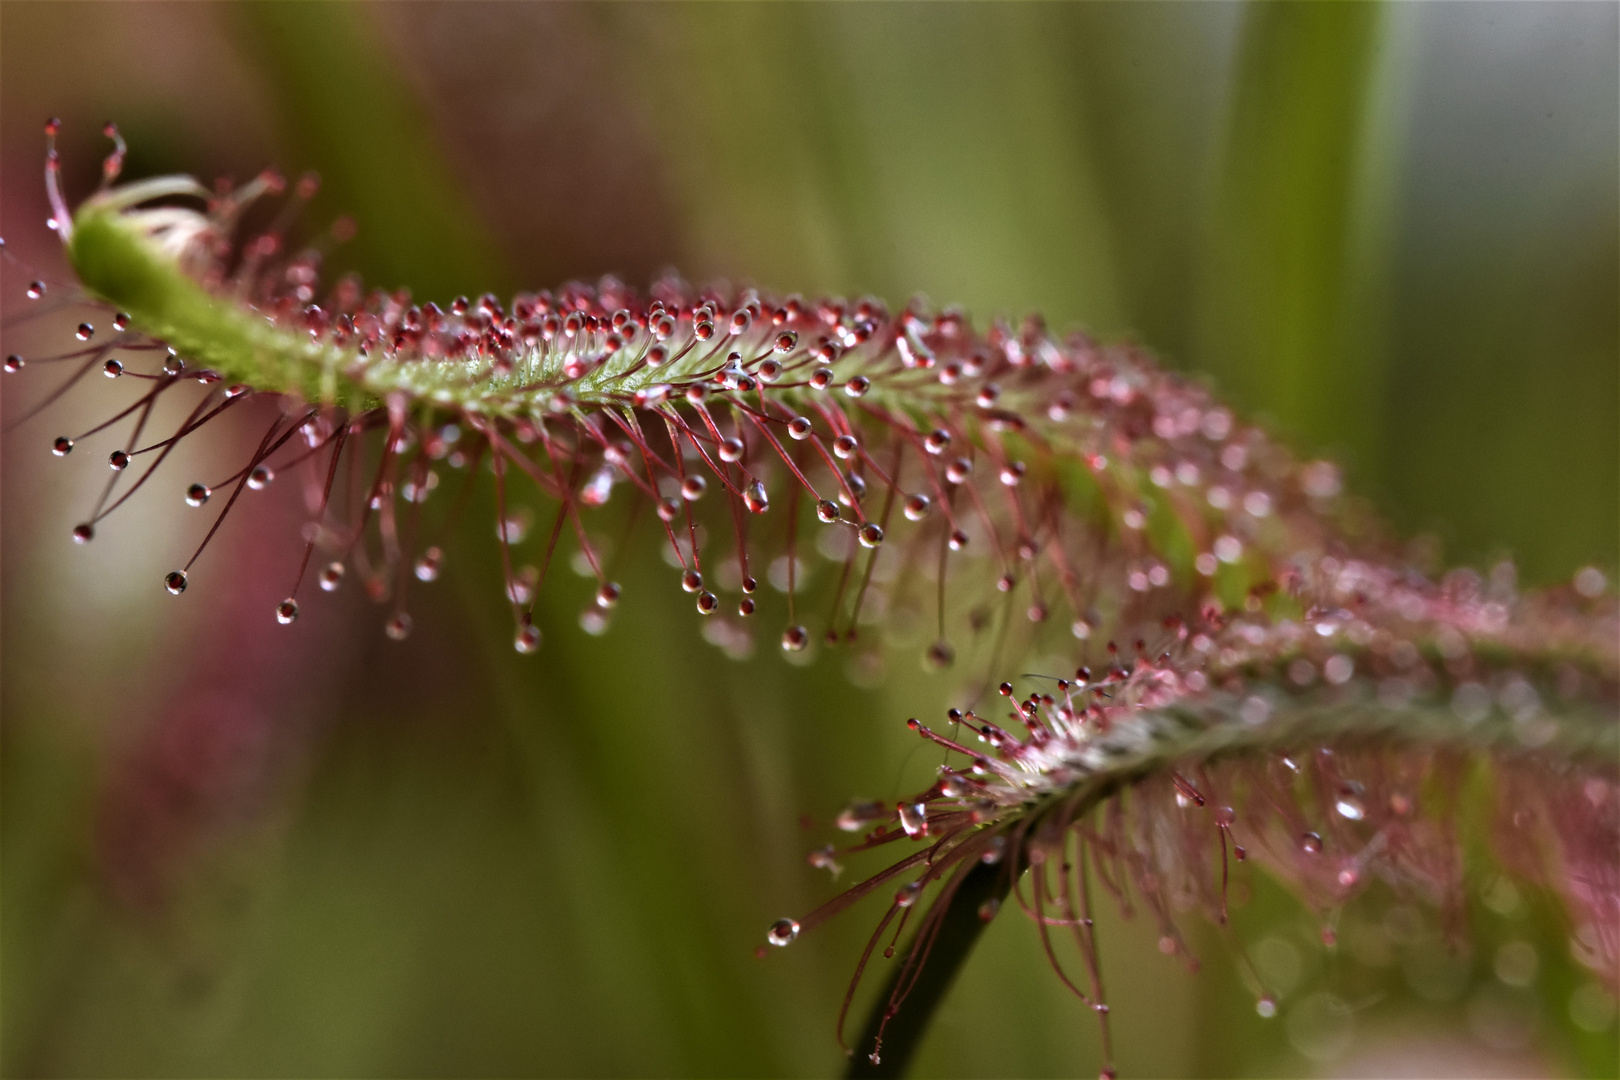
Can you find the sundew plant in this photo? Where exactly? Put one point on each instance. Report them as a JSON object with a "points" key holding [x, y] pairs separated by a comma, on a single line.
{"points": [[1176, 669]]}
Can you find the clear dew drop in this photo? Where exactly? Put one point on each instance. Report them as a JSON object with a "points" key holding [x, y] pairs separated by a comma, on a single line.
{"points": [[746, 606], [118, 460], [857, 488], [958, 470], [707, 603], [1350, 807], [14, 363], [331, 577], [917, 507], [782, 932], [608, 595], [692, 581], [598, 489], [958, 540], [427, 566], [693, 487], [173, 365], [84, 533], [175, 582], [84, 332], [825, 858], [36, 289], [112, 369], [287, 611], [260, 477], [520, 589], [399, 627], [845, 446], [527, 639], [827, 511], [858, 814], [1589, 580], [731, 449], [197, 494], [756, 498], [914, 818], [795, 639], [799, 428], [907, 894], [1311, 843], [62, 446], [871, 535]]}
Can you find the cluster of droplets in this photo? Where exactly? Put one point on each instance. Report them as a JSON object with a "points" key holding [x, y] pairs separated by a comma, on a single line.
{"points": [[1069, 487], [1244, 734], [1054, 469], [1156, 820]]}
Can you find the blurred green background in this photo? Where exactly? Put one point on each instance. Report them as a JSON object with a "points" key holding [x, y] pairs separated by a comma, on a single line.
{"points": [[235, 850]]}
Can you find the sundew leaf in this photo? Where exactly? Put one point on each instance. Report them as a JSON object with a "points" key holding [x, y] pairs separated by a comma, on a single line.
{"points": [[1249, 614]]}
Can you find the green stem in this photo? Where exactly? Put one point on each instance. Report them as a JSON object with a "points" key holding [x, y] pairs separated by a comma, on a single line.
{"points": [[958, 933]]}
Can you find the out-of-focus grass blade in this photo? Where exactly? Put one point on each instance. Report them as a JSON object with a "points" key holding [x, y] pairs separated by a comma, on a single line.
{"points": [[346, 110], [1283, 321]]}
